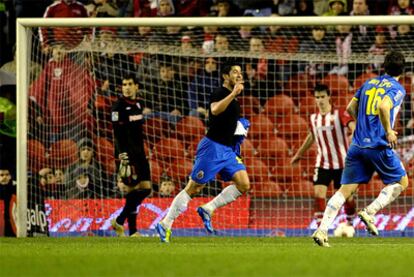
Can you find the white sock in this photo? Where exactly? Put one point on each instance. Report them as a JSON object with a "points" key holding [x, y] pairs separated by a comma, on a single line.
{"points": [[332, 208], [386, 196], [178, 206], [227, 195]]}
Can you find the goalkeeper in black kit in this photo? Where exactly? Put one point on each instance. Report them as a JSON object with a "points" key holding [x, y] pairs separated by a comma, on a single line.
{"points": [[134, 171]]}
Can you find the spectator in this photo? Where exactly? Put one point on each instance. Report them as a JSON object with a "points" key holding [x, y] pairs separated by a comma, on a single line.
{"points": [[111, 66], [173, 33], [201, 88], [69, 37], [167, 187], [165, 8], [305, 8], [343, 42], [209, 34], [283, 7], [281, 39], [141, 8], [320, 6], [192, 7], [7, 192], [245, 33], [399, 7], [336, 7], [257, 72], [380, 47], [402, 41], [102, 8], [86, 178], [167, 98], [318, 42], [226, 8], [52, 183], [186, 44], [63, 92], [362, 35], [221, 43]]}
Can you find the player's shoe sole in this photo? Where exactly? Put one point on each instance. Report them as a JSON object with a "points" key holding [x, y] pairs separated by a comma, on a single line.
{"points": [[206, 217], [119, 229], [320, 238], [163, 233], [369, 222]]}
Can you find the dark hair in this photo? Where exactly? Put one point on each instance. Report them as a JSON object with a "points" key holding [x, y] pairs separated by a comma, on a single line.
{"points": [[228, 64], [321, 87], [130, 76], [394, 63]]}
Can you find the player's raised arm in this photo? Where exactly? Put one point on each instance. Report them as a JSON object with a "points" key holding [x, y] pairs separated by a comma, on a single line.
{"points": [[234, 82]]}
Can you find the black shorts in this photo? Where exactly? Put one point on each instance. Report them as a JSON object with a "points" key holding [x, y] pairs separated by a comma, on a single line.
{"points": [[326, 176], [139, 166], [142, 168]]}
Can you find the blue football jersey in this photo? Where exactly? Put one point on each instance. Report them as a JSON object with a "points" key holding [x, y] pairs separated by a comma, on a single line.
{"points": [[369, 132]]}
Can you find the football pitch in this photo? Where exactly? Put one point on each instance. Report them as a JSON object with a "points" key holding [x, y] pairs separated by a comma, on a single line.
{"points": [[205, 256]]}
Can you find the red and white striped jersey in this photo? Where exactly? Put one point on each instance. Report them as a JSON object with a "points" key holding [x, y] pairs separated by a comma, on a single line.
{"points": [[330, 133]]}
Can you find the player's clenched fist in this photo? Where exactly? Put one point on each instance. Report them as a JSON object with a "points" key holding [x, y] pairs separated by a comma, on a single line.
{"points": [[238, 87]]}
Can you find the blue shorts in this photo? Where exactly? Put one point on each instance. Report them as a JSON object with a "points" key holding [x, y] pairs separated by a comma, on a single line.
{"points": [[212, 158], [360, 164]]}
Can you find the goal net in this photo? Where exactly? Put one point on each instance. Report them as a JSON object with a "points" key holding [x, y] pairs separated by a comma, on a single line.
{"points": [[70, 76]]}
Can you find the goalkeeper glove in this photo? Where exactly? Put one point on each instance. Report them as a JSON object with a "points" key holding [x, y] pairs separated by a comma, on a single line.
{"points": [[124, 167]]}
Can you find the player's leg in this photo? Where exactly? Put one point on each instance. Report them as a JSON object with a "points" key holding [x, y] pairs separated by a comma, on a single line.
{"points": [[321, 180], [206, 166], [392, 173], [233, 170], [387, 195], [133, 199], [230, 193], [320, 236], [319, 202], [142, 192], [349, 206], [178, 206], [139, 188], [356, 171], [335, 203]]}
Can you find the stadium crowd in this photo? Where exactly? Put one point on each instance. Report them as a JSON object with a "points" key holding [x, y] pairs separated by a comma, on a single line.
{"points": [[175, 88]]}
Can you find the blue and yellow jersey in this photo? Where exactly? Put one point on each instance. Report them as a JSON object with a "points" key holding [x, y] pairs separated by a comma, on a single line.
{"points": [[369, 132]]}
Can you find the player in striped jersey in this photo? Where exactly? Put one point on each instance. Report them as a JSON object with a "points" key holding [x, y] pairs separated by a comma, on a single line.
{"points": [[329, 130], [375, 107]]}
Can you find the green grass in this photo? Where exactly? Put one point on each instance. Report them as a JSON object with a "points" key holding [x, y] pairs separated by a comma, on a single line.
{"points": [[205, 257]]}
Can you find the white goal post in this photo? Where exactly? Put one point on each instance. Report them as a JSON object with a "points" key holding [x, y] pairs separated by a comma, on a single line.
{"points": [[23, 58]]}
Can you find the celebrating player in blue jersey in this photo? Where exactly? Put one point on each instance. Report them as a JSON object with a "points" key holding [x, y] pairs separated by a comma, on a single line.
{"points": [[375, 107], [216, 153]]}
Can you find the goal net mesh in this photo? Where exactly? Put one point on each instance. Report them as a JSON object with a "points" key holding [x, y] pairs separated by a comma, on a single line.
{"points": [[75, 75]]}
